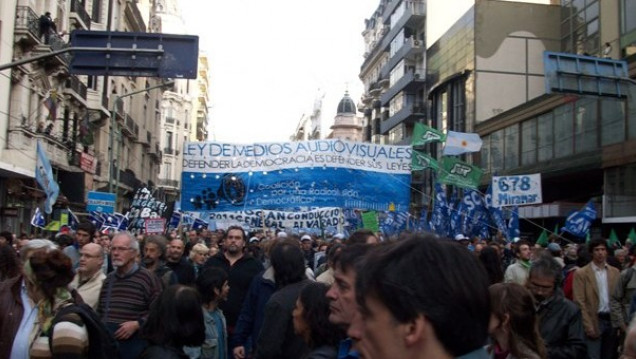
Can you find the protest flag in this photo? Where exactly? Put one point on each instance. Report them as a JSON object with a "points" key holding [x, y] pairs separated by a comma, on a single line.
{"points": [[578, 223], [613, 241], [543, 239], [38, 219], [370, 220], [461, 174], [199, 224], [421, 161], [423, 135], [461, 142], [44, 176]]}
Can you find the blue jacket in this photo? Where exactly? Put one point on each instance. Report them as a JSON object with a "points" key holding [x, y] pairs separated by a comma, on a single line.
{"points": [[252, 313]]}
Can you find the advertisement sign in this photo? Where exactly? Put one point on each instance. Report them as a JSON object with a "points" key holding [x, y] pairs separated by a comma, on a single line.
{"points": [[516, 190], [323, 173]]}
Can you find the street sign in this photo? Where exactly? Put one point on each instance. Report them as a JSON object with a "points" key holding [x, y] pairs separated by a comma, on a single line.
{"points": [[101, 202], [100, 53], [585, 75]]}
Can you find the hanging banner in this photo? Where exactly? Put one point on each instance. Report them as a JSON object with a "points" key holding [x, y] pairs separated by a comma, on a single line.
{"points": [[319, 218], [144, 206], [516, 190], [322, 173]]}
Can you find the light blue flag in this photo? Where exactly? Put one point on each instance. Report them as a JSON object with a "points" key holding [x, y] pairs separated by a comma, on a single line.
{"points": [[44, 176], [461, 142], [38, 219], [513, 223]]}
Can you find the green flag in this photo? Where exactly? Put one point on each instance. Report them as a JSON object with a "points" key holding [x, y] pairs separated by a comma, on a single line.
{"points": [[461, 174], [543, 239], [556, 229], [370, 221], [423, 134], [421, 160], [54, 226], [632, 236], [613, 241]]}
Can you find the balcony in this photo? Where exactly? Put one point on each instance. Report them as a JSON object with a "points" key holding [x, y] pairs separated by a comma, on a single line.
{"points": [[407, 114], [170, 120], [80, 16], [169, 183], [130, 128], [26, 26], [411, 81], [410, 50], [76, 88]]}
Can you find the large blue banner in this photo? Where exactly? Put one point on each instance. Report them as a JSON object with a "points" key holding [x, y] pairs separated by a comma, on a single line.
{"points": [[322, 173]]}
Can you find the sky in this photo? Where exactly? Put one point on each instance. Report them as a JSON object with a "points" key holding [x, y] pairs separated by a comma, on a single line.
{"points": [[270, 59]]}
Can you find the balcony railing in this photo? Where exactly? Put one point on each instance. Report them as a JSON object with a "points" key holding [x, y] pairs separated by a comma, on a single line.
{"points": [[78, 8], [76, 86], [170, 120], [57, 43], [169, 183], [27, 19]]}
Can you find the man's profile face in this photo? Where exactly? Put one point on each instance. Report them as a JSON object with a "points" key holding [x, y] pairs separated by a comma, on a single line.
{"points": [[342, 297], [525, 252], [375, 332]]}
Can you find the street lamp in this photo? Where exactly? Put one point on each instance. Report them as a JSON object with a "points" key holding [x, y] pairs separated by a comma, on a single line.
{"points": [[114, 127]]}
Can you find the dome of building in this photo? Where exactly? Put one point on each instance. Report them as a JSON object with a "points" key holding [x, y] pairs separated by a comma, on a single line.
{"points": [[346, 105]]}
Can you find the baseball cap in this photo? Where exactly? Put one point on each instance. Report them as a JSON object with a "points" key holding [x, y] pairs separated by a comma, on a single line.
{"points": [[254, 239], [306, 237], [461, 237], [554, 247], [338, 236], [281, 235]]}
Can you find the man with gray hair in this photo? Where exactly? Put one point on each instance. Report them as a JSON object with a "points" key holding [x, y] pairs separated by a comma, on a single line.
{"points": [[18, 311], [126, 295], [560, 321]]}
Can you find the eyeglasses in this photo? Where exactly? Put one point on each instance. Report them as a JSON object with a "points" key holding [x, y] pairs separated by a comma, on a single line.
{"points": [[540, 288], [119, 249], [84, 255]]}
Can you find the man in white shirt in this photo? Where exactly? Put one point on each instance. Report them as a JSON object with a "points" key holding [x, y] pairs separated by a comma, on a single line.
{"points": [[519, 270], [591, 290], [89, 278]]}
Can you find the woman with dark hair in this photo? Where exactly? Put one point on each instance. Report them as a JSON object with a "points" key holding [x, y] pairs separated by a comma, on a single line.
{"points": [[47, 274], [491, 260], [311, 322], [9, 263], [514, 326], [213, 287], [277, 338], [175, 320]]}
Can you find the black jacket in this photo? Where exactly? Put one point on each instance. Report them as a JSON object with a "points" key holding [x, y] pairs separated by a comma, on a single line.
{"points": [[184, 271], [561, 327], [163, 352], [240, 276], [277, 339]]}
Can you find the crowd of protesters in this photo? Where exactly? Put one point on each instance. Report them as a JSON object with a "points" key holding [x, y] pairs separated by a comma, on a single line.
{"points": [[232, 294]]}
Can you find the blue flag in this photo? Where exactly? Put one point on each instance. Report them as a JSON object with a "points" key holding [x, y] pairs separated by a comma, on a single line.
{"points": [[578, 223], [199, 224], [497, 215], [38, 219], [96, 218], [44, 176], [73, 221], [422, 224], [439, 218], [513, 224], [175, 220], [400, 221]]}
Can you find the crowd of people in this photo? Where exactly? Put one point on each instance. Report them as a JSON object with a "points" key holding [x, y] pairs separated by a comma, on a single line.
{"points": [[229, 294]]}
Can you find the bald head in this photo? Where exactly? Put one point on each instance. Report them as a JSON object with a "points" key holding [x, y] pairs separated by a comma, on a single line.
{"points": [[91, 259]]}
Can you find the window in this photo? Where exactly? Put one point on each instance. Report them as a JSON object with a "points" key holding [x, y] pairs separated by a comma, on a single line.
{"points": [[585, 127], [529, 142], [563, 131], [511, 154], [545, 137], [612, 121], [169, 140], [496, 150], [97, 4], [485, 154], [628, 22], [91, 82]]}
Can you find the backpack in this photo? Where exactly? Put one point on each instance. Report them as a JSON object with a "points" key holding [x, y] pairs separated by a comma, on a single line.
{"points": [[101, 343]]}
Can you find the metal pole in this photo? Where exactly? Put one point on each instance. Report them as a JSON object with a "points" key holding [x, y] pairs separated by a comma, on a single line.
{"points": [[114, 126]]}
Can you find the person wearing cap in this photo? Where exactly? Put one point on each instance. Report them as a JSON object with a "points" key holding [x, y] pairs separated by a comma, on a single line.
{"points": [[338, 238], [281, 235], [462, 239], [519, 270], [555, 250]]}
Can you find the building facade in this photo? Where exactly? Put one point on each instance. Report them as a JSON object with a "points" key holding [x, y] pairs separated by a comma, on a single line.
{"points": [[347, 125], [70, 115]]}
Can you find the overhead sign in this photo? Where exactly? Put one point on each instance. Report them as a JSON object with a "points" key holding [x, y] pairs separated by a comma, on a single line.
{"points": [[113, 53], [319, 218], [324, 173], [516, 190], [101, 202]]}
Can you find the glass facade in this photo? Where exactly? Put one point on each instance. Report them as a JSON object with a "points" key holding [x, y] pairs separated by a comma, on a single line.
{"points": [[574, 128], [580, 24]]}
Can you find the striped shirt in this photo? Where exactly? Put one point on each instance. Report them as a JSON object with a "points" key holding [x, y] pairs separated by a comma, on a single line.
{"points": [[127, 298]]}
